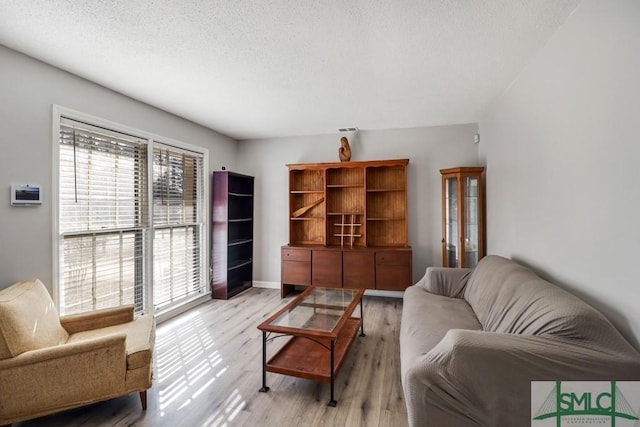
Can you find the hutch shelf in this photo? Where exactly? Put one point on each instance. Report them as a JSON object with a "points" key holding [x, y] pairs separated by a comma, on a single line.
{"points": [[347, 226]]}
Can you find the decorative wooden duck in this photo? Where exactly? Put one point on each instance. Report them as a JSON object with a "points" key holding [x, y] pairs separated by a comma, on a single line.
{"points": [[344, 151]]}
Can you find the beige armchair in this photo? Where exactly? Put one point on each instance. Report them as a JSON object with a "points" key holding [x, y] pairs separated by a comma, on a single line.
{"points": [[50, 363]]}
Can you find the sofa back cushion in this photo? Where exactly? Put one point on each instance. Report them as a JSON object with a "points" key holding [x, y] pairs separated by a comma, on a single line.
{"points": [[508, 297], [28, 319]]}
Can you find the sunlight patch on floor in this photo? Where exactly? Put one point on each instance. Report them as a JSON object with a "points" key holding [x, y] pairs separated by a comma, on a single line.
{"points": [[227, 412], [188, 362]]}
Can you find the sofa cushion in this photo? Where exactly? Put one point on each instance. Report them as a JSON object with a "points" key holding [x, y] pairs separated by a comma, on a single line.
{"points": [[28, 319], [427, 318], [140, 339], [510, 298]]}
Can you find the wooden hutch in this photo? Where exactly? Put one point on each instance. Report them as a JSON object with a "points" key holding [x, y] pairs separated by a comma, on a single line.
{"points": [[347, 226]]}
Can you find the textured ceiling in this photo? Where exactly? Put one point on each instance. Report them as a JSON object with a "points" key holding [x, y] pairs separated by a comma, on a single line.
{"points": [[250, 68]]}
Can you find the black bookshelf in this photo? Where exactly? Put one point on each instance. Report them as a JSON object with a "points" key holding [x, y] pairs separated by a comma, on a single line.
{"points": [[232, 234]]}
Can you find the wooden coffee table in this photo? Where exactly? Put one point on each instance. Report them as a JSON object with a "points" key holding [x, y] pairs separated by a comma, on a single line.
{"points": [[321, 331]]}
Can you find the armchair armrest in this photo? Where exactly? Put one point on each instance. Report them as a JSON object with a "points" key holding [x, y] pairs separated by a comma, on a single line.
{"points": [[485, 378], [449, 282], [103, 318]]}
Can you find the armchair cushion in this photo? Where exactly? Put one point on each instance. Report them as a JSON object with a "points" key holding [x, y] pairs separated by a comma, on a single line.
{"points": [[40, 329], [139, 344]]}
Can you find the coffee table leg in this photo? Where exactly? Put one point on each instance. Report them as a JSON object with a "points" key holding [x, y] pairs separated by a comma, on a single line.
{"points": [[332, 402], [264, 388], [361, 319]]}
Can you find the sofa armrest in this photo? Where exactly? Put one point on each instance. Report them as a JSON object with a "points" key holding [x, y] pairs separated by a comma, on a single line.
{"points": [[47, 379], [449, 282], [97, 319], [485, 378]]}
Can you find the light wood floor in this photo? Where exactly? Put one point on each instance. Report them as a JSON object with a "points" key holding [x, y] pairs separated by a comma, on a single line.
{"points": [[208, 372]]}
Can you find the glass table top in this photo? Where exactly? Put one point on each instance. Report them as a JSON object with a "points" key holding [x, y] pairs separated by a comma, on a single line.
{"points": [[320, 310]]}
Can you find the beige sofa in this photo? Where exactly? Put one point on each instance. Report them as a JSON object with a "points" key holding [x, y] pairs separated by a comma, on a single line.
{"points": [[471, 342], [48, 363]]}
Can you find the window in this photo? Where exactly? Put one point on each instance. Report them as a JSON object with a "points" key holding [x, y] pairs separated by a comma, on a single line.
{"points": [[178, 233], [131, 219]]}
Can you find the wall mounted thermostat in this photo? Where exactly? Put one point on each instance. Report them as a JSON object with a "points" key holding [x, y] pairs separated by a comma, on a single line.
{"points": [[26, 195]]}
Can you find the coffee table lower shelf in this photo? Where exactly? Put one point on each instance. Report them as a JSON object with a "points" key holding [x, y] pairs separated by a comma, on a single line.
{"points": [[311, 358]]}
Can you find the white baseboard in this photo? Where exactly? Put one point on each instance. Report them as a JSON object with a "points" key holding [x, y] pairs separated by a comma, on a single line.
{"points": [[379, 293], [268, 285]]}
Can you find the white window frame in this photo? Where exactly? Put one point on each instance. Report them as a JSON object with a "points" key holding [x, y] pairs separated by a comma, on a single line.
{"points": [[57, 113]]}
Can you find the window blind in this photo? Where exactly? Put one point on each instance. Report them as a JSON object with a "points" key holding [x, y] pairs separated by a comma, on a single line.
{"points": [[178, 224], [103, 211]]}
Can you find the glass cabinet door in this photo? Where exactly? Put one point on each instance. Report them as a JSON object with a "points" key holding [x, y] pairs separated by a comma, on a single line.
{"points": [[471, 220], [450, 242], [462, 217]]}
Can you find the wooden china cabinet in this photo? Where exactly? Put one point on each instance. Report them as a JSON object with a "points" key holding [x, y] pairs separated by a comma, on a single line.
{"points": [[347, 226], [462, 216]]}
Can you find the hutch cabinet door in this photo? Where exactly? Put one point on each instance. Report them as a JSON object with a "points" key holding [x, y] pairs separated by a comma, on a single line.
{"points": [[326, 268], [393, 270], [358, 269], [296, 266]]}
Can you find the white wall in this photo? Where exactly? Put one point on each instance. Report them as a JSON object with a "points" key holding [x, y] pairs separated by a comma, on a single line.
{"points": [[562, 151], [28, 88], [428, 150]]}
